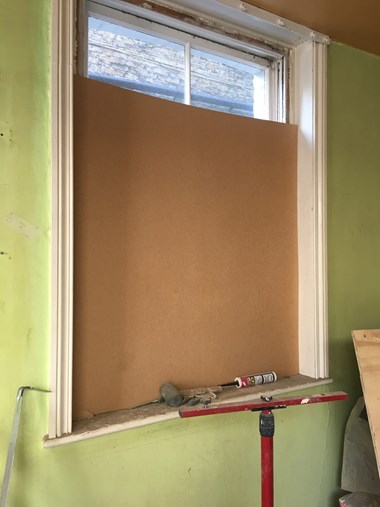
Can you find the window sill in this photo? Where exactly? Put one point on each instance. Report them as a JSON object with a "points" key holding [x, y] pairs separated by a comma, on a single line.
{"points": [[120, 420]]}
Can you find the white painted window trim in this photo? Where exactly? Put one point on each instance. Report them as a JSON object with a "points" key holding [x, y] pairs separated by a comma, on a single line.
{"points": [[310, 82], [62, 60], [309, 113]]}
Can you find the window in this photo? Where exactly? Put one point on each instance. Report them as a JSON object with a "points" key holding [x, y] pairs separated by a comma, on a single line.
{"points": [[153, 58], [307, 94], [138, 61]]}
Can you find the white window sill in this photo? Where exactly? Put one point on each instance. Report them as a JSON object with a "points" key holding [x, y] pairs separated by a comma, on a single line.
{"points": [[120, 420]]}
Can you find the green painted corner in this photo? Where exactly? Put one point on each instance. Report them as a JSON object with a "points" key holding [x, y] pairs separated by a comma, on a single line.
{"points": [[353, 203], [213, 462]]}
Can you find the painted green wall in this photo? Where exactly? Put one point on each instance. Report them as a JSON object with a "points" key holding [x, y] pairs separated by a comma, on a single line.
{"points": [[213, 462], [24, 199]]}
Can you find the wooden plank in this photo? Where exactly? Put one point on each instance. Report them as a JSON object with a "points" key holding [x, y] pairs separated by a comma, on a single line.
{"points": [[121, 420], [367, 348]]}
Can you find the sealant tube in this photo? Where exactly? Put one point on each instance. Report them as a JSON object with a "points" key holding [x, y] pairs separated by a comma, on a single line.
{"points": [[255, 380]]}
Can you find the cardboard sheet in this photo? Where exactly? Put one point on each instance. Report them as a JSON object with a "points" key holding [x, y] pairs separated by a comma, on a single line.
{"points": [[185, 247], [367, 348]]}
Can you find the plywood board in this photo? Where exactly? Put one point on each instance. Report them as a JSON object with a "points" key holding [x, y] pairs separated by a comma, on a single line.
{"points": [[185, 247], [367, 348]]}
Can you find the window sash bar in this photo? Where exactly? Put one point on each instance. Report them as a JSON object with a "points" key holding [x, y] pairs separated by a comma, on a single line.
{"points": [[187, 74]]}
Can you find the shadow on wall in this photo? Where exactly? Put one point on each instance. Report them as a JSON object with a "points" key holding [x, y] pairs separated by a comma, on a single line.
{"points": [[343, 366]]}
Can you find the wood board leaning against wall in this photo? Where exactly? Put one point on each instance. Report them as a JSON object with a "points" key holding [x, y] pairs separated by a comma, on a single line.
{"points": [[185, 247], [367, 349]]}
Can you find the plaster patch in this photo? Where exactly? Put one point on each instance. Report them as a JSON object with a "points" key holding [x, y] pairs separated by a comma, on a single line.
{"points": [[25, 228]]}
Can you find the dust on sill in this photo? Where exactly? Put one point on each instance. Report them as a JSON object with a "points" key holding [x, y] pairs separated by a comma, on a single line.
{"points": [[120, 420]]}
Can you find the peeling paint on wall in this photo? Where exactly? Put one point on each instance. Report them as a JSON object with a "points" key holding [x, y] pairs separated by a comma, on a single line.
{"points": [[25, 228]]}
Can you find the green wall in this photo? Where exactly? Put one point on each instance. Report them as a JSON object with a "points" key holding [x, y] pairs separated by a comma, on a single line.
{"points": [[209, 462]]}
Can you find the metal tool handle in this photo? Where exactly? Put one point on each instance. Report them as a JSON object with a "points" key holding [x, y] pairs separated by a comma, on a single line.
{"points": [[13, 441]]}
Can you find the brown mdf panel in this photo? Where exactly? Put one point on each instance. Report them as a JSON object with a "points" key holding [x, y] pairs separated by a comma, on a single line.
{"points": [[367, 348], [185, 247]]}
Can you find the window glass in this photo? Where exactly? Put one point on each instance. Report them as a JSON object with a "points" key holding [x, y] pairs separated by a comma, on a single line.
{"points": [[224, 84], [159, 66], [135, 60]]}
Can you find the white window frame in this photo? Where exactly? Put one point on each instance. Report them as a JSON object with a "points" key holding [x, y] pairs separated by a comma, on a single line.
{"points": [[217, 44], [309, 113]]}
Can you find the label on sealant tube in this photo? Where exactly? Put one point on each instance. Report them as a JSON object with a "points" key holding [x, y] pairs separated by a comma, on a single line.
{"points": [[255, 380]]}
